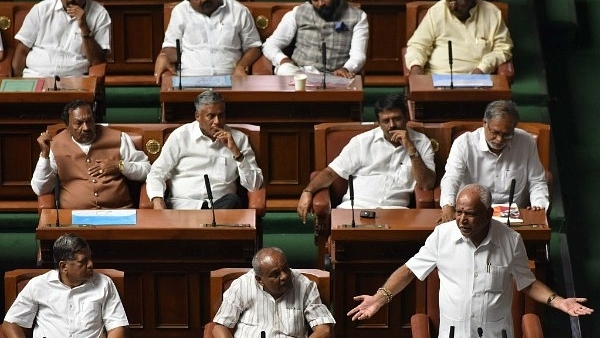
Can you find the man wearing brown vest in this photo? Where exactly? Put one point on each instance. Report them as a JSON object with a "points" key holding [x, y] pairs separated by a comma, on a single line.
{"points": [[92, 162]]}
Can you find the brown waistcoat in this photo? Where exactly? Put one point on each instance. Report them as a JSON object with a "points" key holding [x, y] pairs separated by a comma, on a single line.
{"points": [[79, 190]]}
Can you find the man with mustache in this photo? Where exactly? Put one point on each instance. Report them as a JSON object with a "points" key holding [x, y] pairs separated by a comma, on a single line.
{"points": [[343, 28], [478, 260], [218, 37], [92, 162], [494, 155], [272, 298], [480, 39], [62, 37], [386, 162], [70, 301], [204, 147]]}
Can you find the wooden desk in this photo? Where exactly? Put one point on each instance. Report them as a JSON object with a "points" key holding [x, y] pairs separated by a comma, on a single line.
{"points": [[364, 257], [286, 119], [23, 116], [428, 103], [167, 258]]}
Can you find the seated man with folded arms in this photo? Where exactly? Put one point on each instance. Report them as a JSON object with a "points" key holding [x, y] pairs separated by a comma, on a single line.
{"points": [[479, 260], [91, 162], [63, 37], [344, 29], [480, 39], [218, 37], [70, 301], [204, 147], [386, 162], [494, 155], [272, 298]]}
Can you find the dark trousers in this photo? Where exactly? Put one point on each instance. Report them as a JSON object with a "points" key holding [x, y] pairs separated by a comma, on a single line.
{"points": [[229, 201]]}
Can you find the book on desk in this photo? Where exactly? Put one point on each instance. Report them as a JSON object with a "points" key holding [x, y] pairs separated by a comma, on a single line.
{"points": [[104, 217], [502, 213], [22, 85]]}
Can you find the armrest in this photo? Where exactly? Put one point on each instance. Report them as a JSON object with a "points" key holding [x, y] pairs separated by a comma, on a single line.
{"points": [[321, 203], [98, 70], [6, 64], [507, 69], [257, 200], [262, 66], [437, 192], [419, 325], [145, 202], [46, 202], [405, 69], [532, 328], [424, 198]]}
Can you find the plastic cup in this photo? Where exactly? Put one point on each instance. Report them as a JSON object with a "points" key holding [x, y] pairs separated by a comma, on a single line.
{"points": [[300, 82]]}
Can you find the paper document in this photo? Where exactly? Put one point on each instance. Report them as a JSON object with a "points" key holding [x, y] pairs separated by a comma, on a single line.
{"points": [[22, 85], [501, 213], [104, 217], [462, 80], [218, 81]]}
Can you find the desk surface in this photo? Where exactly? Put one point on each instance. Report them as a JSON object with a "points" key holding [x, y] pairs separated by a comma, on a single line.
{"points": [[259, 88], [417, 224], [69, 88], [157, 225], [422, 89]]}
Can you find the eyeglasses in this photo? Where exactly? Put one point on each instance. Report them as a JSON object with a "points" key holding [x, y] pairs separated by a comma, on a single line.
{"points": [[497, 134]]}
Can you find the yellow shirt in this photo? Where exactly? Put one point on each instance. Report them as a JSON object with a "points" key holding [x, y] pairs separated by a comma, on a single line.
{"points": [[482, 41]]}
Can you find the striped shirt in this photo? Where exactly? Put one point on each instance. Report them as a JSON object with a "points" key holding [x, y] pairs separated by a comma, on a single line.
{"points": [[253, 310]]}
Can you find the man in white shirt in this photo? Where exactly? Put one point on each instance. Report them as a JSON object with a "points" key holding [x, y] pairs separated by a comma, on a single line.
{"points": [[494, 155], [478, 260], [204, 147], [217, 37], [480, 39], [92, 162], [70, 301], [386, 163], [274, 299], [343, 29], [62, 37]]}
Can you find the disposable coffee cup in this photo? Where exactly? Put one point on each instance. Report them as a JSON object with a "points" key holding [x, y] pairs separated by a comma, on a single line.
{"points": [[300, 82]]}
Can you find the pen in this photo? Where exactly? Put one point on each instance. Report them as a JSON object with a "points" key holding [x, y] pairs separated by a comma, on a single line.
{"points": [[489, 266]]}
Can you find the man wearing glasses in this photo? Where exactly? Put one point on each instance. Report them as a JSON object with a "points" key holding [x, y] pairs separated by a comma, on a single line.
{"points": [[493, 156]]}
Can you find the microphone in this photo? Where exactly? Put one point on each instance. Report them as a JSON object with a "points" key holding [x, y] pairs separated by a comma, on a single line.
{"points": [[511, 195], [324, 59], [504, 334], [56, 80], [450, 61], [351, 187], [451, 335], [210, 198], [178, 63], [480, 332], [57, 198]]}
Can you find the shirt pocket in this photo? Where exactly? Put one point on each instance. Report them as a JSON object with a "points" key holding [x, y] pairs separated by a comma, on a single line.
{"points": [[90, 314], [496, 278], [292, 320], [228, 35], [224, 169]]}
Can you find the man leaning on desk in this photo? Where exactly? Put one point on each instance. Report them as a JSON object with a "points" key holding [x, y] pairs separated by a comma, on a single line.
{"points": [[91, 163], [480, 39], [387, 163], [478, 260], [205, 148], [62, 37], [217, 37], [494, 155]]}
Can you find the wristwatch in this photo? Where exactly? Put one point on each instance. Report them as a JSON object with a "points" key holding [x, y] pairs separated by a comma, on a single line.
{"points": [[414, 155], [121, 166], [239, 158]]}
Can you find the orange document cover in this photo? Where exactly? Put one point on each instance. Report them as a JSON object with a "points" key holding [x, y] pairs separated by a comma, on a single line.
{"points": [[501, 213]]}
